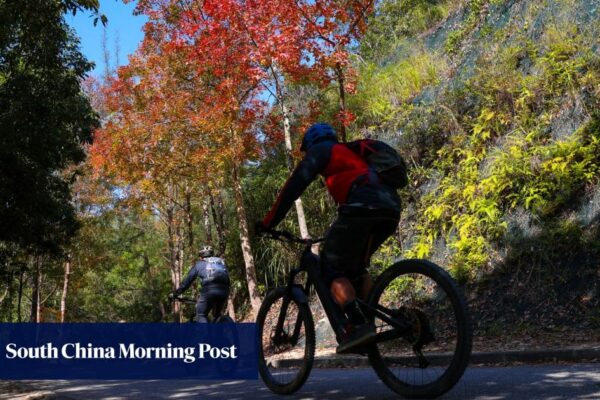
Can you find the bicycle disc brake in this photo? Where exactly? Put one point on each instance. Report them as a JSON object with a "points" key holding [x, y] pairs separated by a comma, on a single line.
{"points": [[420, 335]]}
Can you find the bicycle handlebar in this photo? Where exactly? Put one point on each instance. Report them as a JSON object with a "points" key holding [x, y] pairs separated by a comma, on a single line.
{"points": [[285, 236], [184, 300]]}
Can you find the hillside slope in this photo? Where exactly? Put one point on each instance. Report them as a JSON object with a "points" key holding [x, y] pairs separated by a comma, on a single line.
{"points": [[495, 104]]}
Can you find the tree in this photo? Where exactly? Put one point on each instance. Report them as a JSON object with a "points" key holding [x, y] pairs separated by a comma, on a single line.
{"points": [[330, 29], [229, 80], [277, 52], [150, 143], [234, 51], [44, 122]]}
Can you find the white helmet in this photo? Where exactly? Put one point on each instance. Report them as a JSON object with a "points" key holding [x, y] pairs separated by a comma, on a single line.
{"points": [[206, 251]]}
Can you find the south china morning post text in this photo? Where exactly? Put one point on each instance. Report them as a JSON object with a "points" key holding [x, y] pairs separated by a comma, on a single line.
{"points": [[128, 351], [124, 350]]}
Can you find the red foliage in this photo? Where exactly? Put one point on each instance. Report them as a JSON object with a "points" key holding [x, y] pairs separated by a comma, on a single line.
{"points": [[192, 97]]}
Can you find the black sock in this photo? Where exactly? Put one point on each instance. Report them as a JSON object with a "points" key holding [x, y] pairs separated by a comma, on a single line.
{"points": [[352, 310]]}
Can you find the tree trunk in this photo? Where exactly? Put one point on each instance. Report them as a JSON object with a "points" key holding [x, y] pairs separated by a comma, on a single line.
{"points": [[11, 294], [189, 218], [340, 78], [20, 294], [290, 163], [231, 304], [35, 295], [6, 292], [172, 256], [217, 212], [180, 254], [63, 297], [206, 218], [245, 242], [280, 91]]}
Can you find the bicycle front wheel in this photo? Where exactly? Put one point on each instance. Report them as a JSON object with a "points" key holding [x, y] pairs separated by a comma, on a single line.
{"points": [[427, 359], [287, 342]]}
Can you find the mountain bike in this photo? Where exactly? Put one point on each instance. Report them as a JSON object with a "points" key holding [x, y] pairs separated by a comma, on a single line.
{"points": [[423, 331], [217, 319]]}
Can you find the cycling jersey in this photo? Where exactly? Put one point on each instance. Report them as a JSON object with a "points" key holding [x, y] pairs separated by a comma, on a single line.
{"points": [[348, 178], [215, 286], [211, 271]]}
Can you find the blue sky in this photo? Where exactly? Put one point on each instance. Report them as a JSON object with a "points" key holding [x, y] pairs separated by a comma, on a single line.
{"points": [[122, 26]]}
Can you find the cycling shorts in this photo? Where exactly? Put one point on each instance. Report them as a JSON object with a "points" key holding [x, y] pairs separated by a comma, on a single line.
{"points": [[353, 238]]}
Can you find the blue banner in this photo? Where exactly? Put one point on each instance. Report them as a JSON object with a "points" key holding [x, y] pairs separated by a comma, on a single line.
{"points": [[128, 351]]}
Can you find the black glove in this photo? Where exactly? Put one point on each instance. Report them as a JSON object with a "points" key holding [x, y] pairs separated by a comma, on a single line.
{"points": [[259, 228], [173, 295]]}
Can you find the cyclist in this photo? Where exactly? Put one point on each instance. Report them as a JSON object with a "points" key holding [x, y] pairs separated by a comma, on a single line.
{"points": [[368, 213], [215, 284]]}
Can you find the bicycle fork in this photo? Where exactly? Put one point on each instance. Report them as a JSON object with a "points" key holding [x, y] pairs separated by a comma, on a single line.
{"points": [[298, 293]]}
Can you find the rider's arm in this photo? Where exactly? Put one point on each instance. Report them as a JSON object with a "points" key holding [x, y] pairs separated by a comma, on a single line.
{"points": [[314, 162], [189, 279]]}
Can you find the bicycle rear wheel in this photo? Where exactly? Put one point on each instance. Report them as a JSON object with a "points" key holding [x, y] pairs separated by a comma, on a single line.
{"points": [[229, 333], [287, 342], [428, 359]]}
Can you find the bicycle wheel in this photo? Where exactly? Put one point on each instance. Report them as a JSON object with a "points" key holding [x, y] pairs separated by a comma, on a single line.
{"points": [[287, 342], [428, 359], [229, 333]]}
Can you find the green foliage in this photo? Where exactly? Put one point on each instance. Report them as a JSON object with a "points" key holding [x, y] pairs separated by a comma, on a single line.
{"points": [[384, 92], [118, 272], [491, 144], [45, 120], [526, 167], [398, 19], [473, 14]]}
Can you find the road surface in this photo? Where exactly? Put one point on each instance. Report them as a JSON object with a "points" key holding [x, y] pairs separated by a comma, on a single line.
{"points": [[539, 382]]}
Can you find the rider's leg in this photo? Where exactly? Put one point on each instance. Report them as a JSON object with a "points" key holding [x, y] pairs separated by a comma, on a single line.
{"points": [[342, 291], [349, 244], [203, 307], [342, 260], [219, 304], [363, 286], [213, 298], [381, 230], [344, 294]]}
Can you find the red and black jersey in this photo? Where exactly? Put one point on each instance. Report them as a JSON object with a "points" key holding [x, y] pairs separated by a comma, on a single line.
{"points": [[347, 176]]}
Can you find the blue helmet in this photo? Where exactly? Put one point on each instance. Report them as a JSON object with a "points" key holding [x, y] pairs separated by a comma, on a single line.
{"points": [[317, 133]]}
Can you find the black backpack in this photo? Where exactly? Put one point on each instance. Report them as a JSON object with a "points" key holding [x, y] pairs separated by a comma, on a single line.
{"points": [[215, 271], [383, 159]]}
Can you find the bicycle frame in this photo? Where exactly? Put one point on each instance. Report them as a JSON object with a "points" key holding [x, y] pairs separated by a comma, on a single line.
{"points": [[190, 301], [393, 317], [310, 264]]}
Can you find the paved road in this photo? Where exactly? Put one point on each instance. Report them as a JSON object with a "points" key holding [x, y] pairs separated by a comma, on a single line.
{"points": [[541, 382]]}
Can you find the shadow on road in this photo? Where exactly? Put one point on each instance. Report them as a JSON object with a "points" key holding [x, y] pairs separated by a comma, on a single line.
{"points": [[540, 382]]}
